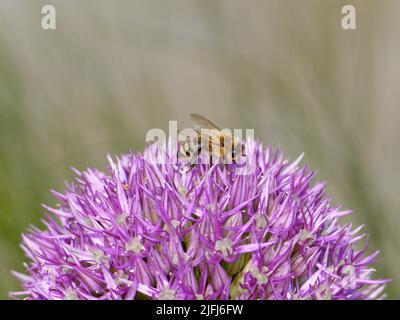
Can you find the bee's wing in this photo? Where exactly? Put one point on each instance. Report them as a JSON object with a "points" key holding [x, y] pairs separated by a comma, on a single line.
{"points": [[202, 123]]}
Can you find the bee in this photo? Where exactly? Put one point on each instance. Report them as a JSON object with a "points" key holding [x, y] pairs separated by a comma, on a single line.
{"points": [[220, 144]]}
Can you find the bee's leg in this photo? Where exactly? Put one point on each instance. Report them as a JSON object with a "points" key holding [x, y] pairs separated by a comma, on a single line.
{"points": [[198, 151], [194, 158], [189, 168], [192, 163], [210, 150]]}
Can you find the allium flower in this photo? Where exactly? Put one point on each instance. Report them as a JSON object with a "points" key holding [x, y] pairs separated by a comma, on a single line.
{"points": [[143, 230]]}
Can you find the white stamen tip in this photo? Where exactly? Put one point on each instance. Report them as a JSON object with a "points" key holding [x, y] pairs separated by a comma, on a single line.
{"points": [[224, 246], [134, 245]]}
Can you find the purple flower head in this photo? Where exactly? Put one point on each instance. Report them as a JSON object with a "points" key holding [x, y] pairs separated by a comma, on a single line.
{"points": [[160, 231]]}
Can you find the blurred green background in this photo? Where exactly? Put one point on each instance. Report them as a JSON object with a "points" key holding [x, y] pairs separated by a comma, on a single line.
{"points": [[114, 69]]}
